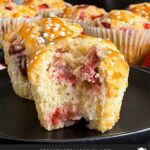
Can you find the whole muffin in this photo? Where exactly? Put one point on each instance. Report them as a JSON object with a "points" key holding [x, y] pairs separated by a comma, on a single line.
{"points": [[21, 44], [85, 78], [47, 7], [11, 19], [142, 9], [125, 29], [83, 12]]}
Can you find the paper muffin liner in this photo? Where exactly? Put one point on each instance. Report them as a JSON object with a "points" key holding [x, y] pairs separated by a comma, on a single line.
{"points": [[10, 24], [133, 44]]}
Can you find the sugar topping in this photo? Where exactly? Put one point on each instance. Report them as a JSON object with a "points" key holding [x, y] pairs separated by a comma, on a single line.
{"points": [[45, 35], [52, 36], [109, 52], [32, 36], [51, 43], [55, 28], [57, 25], [112, 63], [38, 52], [40, 40], [62, 33], [34, 57]]}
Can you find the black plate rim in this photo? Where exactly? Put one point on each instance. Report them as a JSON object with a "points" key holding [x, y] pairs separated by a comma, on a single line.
{"points": [[77, 140], [81, 140]]}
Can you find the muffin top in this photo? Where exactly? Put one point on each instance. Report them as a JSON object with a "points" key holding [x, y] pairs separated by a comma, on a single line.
{"points": [[41, 5], [121, 19], [6, 7], [142, 9], [38, 35], [23, 11], [83, 12]]}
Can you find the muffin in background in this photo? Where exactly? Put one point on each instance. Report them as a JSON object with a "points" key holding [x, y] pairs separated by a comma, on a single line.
{"points": [[48, 8], [11, 19], [83, 13], [29, 38], [142, 9], [130, 32]]}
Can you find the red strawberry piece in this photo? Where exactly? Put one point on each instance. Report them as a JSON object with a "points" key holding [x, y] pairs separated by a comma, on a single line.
{"points": [[124, 29], [146, 62], [9, 7], [43, 6], [147, 25], [89, 70], [59, 115], [22, 65], [62, 70], [16, 47], [65, 74], [55, 117], [106, 25], [95, 17], [82, 16]]}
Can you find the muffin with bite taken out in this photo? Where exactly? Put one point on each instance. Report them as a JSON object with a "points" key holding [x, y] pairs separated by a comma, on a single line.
{"points": [[85, 77]]}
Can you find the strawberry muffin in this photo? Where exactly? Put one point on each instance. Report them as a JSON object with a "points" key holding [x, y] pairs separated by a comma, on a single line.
{"points": [[12, 16], [6, 7], [130, 32], [21, 44], [86, 77]]}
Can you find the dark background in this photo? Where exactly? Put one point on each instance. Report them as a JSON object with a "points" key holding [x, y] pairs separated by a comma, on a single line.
{"points": [[108, 4]]}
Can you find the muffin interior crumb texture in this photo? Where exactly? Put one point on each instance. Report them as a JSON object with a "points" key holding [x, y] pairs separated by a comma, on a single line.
{"points": [[76, 85]]}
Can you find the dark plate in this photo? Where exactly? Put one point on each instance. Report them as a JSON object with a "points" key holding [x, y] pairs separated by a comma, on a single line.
{"points": [[18, 117]]}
